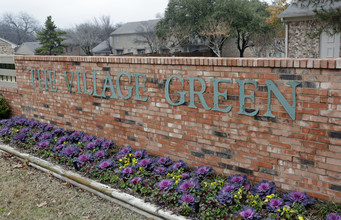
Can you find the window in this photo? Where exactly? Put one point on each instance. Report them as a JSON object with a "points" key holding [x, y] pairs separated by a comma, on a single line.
{"points": [[119, 52], [128, 37], [117, 38], [141, 51]]}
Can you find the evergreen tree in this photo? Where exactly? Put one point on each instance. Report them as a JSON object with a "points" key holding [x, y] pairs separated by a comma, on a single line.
{"points": [[50, 39]]}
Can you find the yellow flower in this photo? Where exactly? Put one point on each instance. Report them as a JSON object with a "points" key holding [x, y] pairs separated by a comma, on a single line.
{"points": [[278, 210], [120, 160], [266, 200], [254, 202], [235, 196], [300, 218]]}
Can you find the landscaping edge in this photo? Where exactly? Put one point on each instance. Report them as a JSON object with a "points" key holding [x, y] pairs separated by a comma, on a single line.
{"points": [[128, 201]]}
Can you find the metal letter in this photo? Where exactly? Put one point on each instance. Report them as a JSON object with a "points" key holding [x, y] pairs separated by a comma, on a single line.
{"points": [[216, 95], [192, 92], [182, 94], [137, 87], [129, 88], [242, 97]]}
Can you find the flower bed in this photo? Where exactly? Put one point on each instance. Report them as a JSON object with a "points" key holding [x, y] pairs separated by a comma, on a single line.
{"points": [[198, 193]]}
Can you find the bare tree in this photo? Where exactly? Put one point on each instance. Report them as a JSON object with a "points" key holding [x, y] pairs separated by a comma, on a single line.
{"points": [[215, 32], [86, 36], [104, 23], [147, 32], [174, 38], [18, 28]]}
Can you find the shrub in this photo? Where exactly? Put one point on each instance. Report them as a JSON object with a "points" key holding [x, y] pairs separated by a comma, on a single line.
{"points": [[4, 109]]}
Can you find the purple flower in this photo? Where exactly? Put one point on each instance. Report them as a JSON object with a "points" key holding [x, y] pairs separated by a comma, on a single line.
{"points": [[20, 137], [108, 144], [49, 128], [189, 199], [298, 197], [126, 150], [203, 171], [76, 136], [136, 180], [274, 204], [42, 126], [61, 140], [147, 163], [3, 121], [70, 151], [32, 123], [87, 138], [127, 171], [186, 186], [25, 130], [185, 176], [21, 121], [165, 184], [161, 171], [84, 158], [59, 147], [10, 123], [58, 131], [238, 180], [36, 135], [44, 144], [248, 213], [106, 164], [100, 154], [264, 188], [119, 156], [164, 161], [228, 188], [224, 197], [140, 154], [5, 131], [178, 165], [90, 146], [45, 136], [333, 216]]}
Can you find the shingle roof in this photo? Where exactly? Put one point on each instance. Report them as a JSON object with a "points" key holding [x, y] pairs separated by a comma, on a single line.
{"points": [[31, 45], [299, 10], [13, 45], [133, 27]]}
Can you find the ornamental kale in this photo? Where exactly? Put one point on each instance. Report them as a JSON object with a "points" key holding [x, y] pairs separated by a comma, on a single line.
{"points": [[238, 181], [126, 150], [140, 154], [164, 161], [264, 188], [333, 216], [248, 213], [20, 137], [203, 171], [100, 154], [298, 197], [59, 147], [84, 158], [228, 188], [186, 186], [190, 199], [127, 171], [274, 204], [146, 163], [87, 138], [165, 184], [224, 197], [107, 144], [161, 171], [178, 165], [136, 180], [71, 151], [106, 164]]}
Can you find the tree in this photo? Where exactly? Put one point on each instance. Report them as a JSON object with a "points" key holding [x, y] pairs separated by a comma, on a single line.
{"points": [[147, 33], [326, 12], [50, 39], [215, 32], [246, 18], [18, 28], [89, 34]]}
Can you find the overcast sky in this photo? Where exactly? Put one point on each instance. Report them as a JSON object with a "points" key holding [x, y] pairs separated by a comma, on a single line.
{"points": [[67, 13]]}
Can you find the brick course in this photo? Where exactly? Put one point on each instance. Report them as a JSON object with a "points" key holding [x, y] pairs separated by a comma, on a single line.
{"points": [[301, 154]]}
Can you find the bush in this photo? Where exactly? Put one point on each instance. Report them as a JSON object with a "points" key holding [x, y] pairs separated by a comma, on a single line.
{"points": [[4, 109]]}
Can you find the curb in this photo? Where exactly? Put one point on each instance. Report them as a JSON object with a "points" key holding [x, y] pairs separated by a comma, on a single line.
{"points": [[128, 201]]}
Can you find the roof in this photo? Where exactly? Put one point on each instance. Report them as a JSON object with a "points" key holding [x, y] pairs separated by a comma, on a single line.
{"points": [[306, 10], [31, 45], [102, 47], [133, 27], [13, 45]]}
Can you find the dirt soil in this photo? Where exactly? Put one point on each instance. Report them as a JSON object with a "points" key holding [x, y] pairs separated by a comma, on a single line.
{"points": [[28, 193]]}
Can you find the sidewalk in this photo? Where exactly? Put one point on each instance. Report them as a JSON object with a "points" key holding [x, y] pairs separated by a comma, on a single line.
{"points": [[27, 193]]}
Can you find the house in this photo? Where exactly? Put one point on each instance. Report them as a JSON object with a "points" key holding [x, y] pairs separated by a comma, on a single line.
{"points": [[134, 38], [104, 48], [7, 47], [27, 48], [300, 25]]}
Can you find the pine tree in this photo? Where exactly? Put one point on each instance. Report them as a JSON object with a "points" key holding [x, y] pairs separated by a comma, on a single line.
{"points": [[50, 39]]}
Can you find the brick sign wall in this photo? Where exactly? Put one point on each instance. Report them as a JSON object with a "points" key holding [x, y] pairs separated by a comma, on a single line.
{"points": [[274, 119]]}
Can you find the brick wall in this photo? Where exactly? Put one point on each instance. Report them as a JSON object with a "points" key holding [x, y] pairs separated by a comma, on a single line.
{"points": [[302, 154]]}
